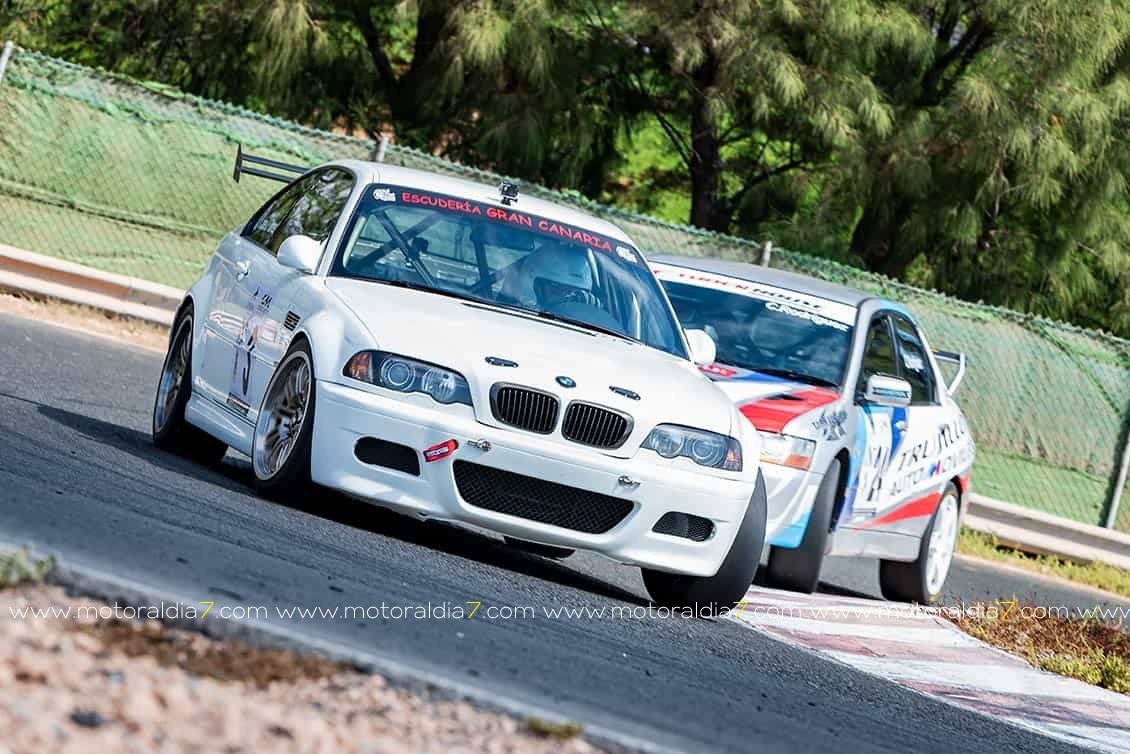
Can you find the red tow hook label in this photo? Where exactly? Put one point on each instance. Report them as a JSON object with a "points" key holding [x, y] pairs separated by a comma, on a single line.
{"points": [[438, 452]]}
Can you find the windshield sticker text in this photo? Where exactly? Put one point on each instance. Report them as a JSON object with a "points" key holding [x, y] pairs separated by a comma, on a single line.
{"points": [[831, 424], [812, 317], [800, 304], [512, 217]]}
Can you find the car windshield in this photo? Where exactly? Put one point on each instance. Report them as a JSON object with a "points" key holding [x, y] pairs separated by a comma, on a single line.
{"points": [[503, 256], [766, 329]]}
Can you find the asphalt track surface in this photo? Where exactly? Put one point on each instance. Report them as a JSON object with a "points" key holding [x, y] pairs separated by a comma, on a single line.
{"points": [[79, 478]]}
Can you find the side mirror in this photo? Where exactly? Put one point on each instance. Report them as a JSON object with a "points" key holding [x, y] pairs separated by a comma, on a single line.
{"points": [[883, 390], [301, 253], [703, 350]]}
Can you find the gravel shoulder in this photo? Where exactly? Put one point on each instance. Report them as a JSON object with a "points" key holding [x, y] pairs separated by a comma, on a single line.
{"points": [[70, 684]]}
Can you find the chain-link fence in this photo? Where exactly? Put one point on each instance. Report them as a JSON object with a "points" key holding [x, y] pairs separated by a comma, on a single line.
{"points": [[135, 178]]}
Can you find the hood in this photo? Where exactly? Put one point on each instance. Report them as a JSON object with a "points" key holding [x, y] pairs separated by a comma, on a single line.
{"points": [[778, 404], [462, 334]]}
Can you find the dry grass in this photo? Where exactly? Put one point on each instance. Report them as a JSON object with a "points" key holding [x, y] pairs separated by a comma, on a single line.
{"points": [[222, 660], [76, 317], [19, 567], [557, 731], [1099, 575], [1089, 650]]}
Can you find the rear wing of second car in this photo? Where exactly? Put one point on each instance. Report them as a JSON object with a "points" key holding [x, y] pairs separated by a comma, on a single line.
{"points": [[956, 359], [262, 167]]}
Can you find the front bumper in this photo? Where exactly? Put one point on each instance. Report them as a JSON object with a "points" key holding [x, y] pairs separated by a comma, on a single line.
{"points": [[345, 414], [790, 494]]}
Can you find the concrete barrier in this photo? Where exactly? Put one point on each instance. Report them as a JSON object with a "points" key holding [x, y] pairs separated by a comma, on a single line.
{"points": [[47, 276], [1042, 533]]}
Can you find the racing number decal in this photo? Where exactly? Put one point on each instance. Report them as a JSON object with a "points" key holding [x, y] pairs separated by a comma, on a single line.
{"points": [[255, 328]]}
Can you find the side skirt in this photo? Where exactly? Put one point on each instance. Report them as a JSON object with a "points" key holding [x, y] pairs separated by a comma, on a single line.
{"points": [[219, 422], [869, 543]]}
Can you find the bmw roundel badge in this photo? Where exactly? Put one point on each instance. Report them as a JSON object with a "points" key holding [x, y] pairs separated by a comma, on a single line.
{"points": [[564, 381]]}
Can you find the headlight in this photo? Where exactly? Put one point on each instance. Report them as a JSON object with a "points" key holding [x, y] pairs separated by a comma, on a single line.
{"points": [[704, 448], [405, 375], [786, 450]]}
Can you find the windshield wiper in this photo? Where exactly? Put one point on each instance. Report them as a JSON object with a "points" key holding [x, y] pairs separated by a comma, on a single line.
{"points": [[579, 323], [795, 375], [422, 287], [542, 314]]}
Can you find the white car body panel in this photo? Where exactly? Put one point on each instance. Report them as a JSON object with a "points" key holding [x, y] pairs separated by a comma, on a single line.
{"points": [[244, 324]]}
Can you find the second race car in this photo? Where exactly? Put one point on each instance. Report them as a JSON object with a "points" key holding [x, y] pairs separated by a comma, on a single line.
{"points": [[864, 449]]}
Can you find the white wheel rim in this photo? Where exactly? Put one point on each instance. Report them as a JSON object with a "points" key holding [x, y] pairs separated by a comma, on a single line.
{"points": [[172, 376], [939, 552], [282, 416]]}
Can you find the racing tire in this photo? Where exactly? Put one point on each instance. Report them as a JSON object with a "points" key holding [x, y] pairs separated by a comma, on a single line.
{"points": [[798, 569], [708, 595], [536, 548], [171, 431], [280, 451], [921, 581]]}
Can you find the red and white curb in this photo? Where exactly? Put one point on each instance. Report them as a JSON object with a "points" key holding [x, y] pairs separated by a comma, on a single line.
{"points": [[930, 655]]}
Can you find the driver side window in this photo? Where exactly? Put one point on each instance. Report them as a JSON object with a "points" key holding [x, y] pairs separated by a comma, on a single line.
{"points": [[916, 367], [878, 352], [315, 213], [262, 229], [310, 206]]}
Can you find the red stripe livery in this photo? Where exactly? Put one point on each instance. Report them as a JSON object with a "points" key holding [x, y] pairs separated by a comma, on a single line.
{"points": [[773, 413], [923, 506]]}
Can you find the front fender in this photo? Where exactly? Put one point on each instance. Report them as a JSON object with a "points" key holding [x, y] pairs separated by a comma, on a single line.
{"points": [[332, 329]]}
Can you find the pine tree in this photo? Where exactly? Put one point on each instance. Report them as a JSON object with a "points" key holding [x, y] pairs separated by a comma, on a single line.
{"points": [[1004, 175]]}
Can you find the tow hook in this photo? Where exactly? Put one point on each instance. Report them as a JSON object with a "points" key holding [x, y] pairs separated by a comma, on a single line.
{"points": [[627, 481], [483, 445]]}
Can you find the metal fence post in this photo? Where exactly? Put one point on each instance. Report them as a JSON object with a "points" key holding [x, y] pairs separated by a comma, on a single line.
{"points": [[1111, 516], [5, 56], [382, 148], [766, 253]]}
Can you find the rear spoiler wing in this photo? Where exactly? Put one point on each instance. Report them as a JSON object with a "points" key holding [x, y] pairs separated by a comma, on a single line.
{"points": [[958, 360], [249, 164]]}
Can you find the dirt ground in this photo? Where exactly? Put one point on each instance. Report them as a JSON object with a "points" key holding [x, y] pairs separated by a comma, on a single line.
{"points": [[92, 685]]}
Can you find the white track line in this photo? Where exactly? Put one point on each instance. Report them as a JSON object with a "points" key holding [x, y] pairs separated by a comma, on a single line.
{"points": [[991, 678]]}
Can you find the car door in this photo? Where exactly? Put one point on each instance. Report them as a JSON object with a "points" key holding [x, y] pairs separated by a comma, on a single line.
{"points": [[879, 429], [915, 475], [254, 307], [225, 330]]}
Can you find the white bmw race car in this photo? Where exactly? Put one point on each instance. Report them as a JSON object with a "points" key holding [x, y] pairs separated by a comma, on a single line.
{"points": [[458, 352], [864, 450]]}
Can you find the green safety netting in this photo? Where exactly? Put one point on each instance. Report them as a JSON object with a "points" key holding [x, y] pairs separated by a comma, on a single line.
{"points": [[135, 178]]}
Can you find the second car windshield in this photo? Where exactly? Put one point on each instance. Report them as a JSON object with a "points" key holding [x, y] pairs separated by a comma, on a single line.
{"points": [[774, 334], [504, 256]]}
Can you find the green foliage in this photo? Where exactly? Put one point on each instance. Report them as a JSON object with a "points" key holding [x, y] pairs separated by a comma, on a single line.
{"points": [[1004, 174], [1096, 667]]}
